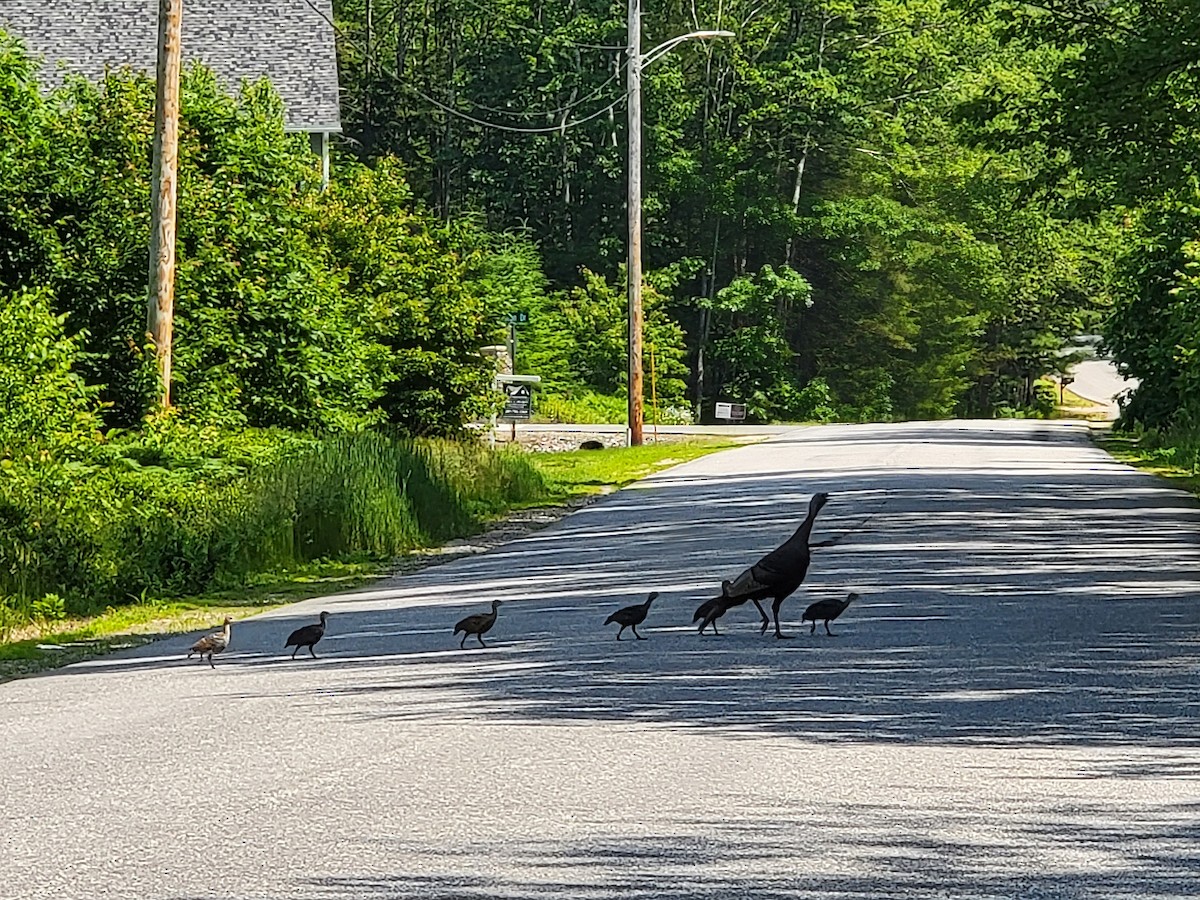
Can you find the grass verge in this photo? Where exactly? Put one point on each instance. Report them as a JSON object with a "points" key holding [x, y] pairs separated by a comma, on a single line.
{"points": [[573, 479], [1127, 448], [577, 474], [1074, 406], [34, 648]]}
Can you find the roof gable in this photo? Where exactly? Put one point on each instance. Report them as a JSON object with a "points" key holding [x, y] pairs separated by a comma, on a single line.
{"points": [[291, 42]]}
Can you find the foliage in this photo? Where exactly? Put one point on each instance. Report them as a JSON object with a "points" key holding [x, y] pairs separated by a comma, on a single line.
{"points": [[751, 318], [424, 291], [841, 140], [576, 342], [579, 406], [1115, 113], [42, 400], [1153, 330], [182, 510], [294, 307]]}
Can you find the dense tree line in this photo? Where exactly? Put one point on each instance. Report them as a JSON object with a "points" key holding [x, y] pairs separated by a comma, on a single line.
{"points": [[829, 222], [1115, 117]]}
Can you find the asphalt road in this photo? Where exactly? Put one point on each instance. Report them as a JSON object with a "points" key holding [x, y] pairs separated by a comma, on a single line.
{"points": [[1011, 711], [1099, 381]]}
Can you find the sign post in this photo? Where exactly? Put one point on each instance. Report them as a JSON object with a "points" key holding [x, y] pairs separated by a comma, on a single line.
{"points": [[518, 399], [514, 319]]}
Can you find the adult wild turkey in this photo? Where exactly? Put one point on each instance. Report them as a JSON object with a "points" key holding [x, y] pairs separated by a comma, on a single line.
{"points": [[776, 575], [478, 625], [632, 616], [212, 643], [826, 610], [308, 636], [709, 611]]}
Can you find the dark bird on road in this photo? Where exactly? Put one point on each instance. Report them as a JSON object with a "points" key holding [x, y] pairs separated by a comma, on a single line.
{"points": [[826, 610], [478, 625], [307, 636], [776, 575], [212, 643], [632, 616]]}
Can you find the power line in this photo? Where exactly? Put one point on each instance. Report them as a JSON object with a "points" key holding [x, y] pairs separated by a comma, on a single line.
{"points": [[551, 112], [547, 130], [522, 27], [553, 129]]}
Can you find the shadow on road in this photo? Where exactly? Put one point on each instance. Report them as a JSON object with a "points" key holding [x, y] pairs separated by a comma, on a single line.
{"points": [[989, 615], [907, 853]]}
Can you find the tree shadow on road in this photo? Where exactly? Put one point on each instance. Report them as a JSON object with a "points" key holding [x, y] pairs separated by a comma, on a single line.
{"points": [[867, 851], [988, 616]]}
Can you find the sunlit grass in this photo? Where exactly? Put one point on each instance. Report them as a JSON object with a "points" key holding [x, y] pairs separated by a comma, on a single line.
{"points": [[1177, 464], [1074, 406], [579, 473]]}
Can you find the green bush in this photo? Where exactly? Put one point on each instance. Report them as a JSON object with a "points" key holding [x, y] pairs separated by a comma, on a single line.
{"points": [[580, 407], [179, 510], [42, 399], [294, 307]]}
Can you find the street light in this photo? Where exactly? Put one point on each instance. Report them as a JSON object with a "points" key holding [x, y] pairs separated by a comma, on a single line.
{"points": [[637, 62]]}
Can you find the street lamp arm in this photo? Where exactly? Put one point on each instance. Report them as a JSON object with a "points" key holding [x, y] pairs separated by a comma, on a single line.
{"points": [[666, 47]]}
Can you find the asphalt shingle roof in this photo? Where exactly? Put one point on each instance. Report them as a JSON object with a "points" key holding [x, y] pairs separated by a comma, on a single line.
{"points": [[291, 42]]}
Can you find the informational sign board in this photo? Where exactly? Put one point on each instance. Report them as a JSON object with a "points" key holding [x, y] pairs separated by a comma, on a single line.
{"points": [[735, 412], [518, 401], [518, 318]]}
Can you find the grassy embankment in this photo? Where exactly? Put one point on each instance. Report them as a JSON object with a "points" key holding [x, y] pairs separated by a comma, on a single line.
{"points": [[562, 481], [1175, 458], [1075, 407]]}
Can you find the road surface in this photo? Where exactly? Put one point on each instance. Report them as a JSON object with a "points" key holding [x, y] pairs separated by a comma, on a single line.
{"points": [[1099, 381], [1011, 710]]}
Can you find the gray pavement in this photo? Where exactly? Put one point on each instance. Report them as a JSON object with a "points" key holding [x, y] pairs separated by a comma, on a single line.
{"points": [[1099, 381], [1009, 712]]}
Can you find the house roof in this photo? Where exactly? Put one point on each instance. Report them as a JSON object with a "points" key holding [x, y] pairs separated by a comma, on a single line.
{"points": [[291, 42]]}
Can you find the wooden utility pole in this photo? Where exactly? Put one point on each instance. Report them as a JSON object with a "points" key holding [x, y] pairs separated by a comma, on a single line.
{"points": [[160, 313], [633, 272]]}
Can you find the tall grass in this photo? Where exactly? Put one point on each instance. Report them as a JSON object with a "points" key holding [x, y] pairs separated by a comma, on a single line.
{"points": [[1177, 447], [367, 494], [109, 533]]}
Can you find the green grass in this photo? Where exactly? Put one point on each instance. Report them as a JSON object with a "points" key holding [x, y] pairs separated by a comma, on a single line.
{"points": [[34, 648], [1074, 406], [580, 473], [1165, 462], [565, 479]]}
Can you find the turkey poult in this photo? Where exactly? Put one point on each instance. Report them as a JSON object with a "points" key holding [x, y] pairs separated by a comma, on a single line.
{"points": [[308, 636], [827, 611], [212, 643], [478, 625], [632, 616]]}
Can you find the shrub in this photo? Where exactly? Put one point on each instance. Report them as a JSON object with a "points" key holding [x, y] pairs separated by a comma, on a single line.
{"points": [[209, 508], [42, 399]]}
